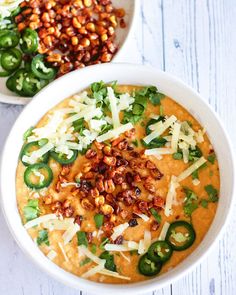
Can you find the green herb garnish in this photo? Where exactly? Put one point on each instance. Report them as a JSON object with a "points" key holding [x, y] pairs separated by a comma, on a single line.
{"points": [[110, 264], [204, 203], [98, 219], [85, 261], [43, 237], [93, 248], [156, 215], [31, 210], [212, 193], [190, 202], [135, 142], [211, 158], [82, 238]]}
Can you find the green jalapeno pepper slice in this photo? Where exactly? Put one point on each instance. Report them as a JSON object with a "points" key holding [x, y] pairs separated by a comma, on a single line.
{"points": [[180, 235], [3, 72], [32, 84], [9, 38], [62, 158], [15, 82], [30, 147], [40, 69], [38, 176], [11, 59], [148, 267], [29, 41], [160, 251], [10, 83]]}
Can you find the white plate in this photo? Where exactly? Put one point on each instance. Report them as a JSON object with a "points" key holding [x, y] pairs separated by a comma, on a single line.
{"points": [[73, 83], [122, 35]]}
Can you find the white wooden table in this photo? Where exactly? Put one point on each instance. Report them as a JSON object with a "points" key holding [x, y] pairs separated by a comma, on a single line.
{"points": [[196, 41]]}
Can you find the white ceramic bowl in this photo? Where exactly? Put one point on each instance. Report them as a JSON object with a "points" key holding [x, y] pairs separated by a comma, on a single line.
{"points": [[124, 74], [122, 35]]}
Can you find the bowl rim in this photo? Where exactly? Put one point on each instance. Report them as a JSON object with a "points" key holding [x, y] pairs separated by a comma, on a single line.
{"points": [[149, 285], [22, 100]]}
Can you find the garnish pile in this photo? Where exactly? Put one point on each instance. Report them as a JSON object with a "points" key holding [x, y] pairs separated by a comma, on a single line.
{"points": [[94, 167], [42, 40]]}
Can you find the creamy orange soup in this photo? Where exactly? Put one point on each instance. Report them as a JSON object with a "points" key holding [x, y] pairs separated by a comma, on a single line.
{"points": [[121, 193]]}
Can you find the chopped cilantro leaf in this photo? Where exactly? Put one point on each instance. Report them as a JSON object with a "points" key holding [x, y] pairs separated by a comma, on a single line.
{"points": [[85, 261], [211, 158], [43, 237], [135, 142], [190, 202], [156, 215], [177, 156], [204, 203], [82, 238], [93, 248], [98, 219], [212, 193], [195, 174], [31, 210], [155, 98], [110, 264]]}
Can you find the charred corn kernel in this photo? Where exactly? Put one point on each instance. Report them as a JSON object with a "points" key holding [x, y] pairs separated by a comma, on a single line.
{"points": [[76, 24], [88, 3], [112, 19], [107, 209], [85, 42], [90, 27], [99, 201], [104, 37], [113, 218], [74, 41]]}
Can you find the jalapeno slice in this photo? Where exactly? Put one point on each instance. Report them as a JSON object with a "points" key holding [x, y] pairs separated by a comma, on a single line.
{"points": [[38, 176], [9, 38], [40, 69], [15, 82], [10, 83], [180, 235], [31, 147], [147, 267], [29, 41], [160, 251], [3, 72], [11, 59], [32, 84], [62, 158]]}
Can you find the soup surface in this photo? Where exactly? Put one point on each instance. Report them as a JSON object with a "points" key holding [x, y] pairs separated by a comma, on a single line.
{"points": [[117, 183]]}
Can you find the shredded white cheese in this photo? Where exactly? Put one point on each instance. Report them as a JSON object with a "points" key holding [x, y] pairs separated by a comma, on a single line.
{"points": [[113, 274], [57, 224], [94, 270], [158, 151], [160, 130], [164, 230], [143, 216], [39, 220], [113, 104], [171, 195], [63, 252], [83, 250], [175, 137], [70, 232], [125, 257], [191, 169], [114, 132], [118, 230], [116, 248]]}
